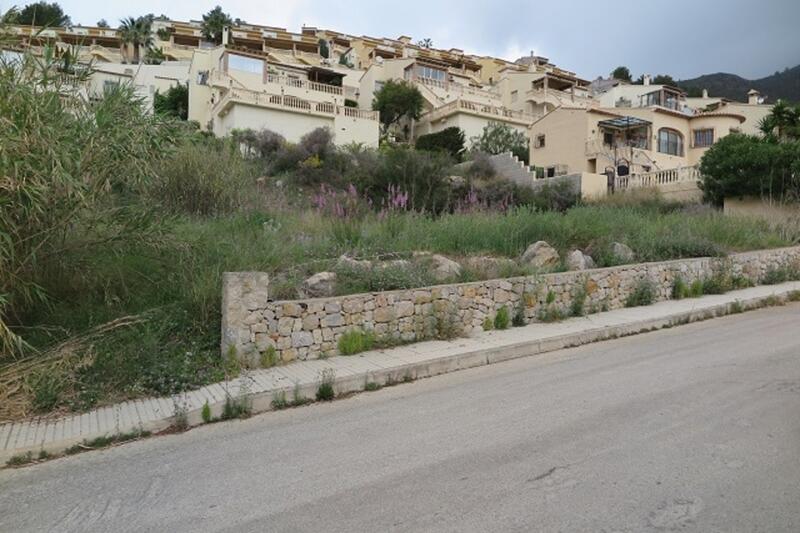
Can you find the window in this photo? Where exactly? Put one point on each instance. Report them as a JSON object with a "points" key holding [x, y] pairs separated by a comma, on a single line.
{"points": [[378, 86], [551, 172], [704, 137], [670, 142], [539, 141], [653, 98], [110, 85], [514, 96], [431, 73], [608, 138], [245, 64]]}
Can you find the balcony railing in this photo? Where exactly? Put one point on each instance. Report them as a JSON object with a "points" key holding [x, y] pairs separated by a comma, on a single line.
{"points": [[479, 109], [456, 87], [657, 178], [304, 84], [289, 102]]}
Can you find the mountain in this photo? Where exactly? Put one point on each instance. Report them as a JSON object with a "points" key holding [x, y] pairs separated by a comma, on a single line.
{"points": [[785, 85]]}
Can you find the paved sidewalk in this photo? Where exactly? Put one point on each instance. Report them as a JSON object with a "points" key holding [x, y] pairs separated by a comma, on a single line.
{"points": [[352, 373]]}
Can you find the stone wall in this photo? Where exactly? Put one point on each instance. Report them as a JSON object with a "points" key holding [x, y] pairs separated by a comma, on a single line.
{"points": [[307, 329]]}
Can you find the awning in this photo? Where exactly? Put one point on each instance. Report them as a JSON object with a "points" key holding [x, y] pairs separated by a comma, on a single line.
{"points": [[624, 123]]}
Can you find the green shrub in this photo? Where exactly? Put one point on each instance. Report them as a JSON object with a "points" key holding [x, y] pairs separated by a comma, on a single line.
{"points": [[696, 289], [644, 293], [502, 319], [781, 274], [449, 140], [519, 319], [488, 324], [353, 280], [325, 391], [236, 407], [47, 386], [208, 178], [498, 138], [269, 357], [578, 303], [679, 289], [279, 400], [355, 341], [205, 413]]}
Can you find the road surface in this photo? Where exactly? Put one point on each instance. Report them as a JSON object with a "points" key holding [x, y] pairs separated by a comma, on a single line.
{"points": [[695, 428]]}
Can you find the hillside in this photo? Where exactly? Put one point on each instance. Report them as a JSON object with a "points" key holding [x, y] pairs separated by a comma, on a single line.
{"points": [[785, 85]]}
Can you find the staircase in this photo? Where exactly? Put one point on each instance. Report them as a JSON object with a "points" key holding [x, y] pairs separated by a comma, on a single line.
{"points": [[508, 166]]}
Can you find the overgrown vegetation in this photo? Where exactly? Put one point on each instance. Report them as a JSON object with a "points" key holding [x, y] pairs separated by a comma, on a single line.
{"points": [[644, 293], [766, 167], [117, 226], [355, 341]]}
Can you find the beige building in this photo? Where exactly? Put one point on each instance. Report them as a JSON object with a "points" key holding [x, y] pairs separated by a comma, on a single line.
{"points": [[625, 141], [234, 88]]}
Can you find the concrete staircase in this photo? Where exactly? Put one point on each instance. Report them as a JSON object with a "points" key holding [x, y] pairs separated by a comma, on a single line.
{"points": [[508, 166]]}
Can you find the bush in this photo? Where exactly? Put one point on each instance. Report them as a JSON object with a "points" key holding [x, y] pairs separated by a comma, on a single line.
{"points": [[498, 138], [207, 178], [449, 140], [174, 102], [355, 341], [69, 166], [743, 165], [263, 144], [502, 318], [419, 174], [481, 166], [679, 289], [325, 391], [644, 293]]}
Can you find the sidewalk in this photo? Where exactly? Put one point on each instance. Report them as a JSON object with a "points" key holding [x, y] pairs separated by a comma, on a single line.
{"points": [[352, 373]]}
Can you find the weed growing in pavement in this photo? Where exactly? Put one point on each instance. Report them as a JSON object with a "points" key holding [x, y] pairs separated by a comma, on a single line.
{"points": [[325, 391], [372, 386], [269, 357], [205, 413]]}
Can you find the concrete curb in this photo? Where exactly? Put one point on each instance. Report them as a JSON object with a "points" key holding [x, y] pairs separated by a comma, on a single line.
{"points": [[352, 373]]}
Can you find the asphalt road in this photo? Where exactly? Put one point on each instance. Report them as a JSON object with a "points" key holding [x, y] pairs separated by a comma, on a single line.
{"points": [[694, 428]]}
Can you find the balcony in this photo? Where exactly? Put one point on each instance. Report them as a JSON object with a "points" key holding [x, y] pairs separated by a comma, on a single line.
{"points": [[288, 103], [488, 111], [304, 84], [599, 146], [457, 87], [658, 178]]}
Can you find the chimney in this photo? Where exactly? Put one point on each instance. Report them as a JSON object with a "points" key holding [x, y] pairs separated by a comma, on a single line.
{"points": [[646, 79], [705, 93], [753, 97]]}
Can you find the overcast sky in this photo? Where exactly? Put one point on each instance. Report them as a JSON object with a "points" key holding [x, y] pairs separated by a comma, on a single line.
{"points": [[684, 38]]}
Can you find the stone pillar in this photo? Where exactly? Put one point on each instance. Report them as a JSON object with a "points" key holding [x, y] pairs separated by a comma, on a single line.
{"points": [[243, 293]]}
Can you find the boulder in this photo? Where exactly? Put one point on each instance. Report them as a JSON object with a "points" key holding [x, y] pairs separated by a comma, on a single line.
{"points": [[345, 261], [577, 260], [622, 252], [541, 255], [319, 285], [444, 269]]}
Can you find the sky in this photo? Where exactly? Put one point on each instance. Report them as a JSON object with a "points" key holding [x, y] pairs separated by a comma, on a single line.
{"points": [[683, 38]]}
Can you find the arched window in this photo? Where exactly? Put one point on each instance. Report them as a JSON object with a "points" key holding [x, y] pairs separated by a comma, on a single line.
{"points": [[670, 142]]}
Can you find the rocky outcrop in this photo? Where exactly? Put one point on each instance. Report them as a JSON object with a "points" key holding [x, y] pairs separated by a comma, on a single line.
{"points": [[577, 260], [622, 252], [541, 255], [321, 284]]}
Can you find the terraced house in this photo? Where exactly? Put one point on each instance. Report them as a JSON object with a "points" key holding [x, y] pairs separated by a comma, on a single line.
{"points": [[291, 83], [642, 133]]}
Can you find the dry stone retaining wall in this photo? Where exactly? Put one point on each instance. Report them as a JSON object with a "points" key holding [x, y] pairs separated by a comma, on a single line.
{"points": [[310, 328]]}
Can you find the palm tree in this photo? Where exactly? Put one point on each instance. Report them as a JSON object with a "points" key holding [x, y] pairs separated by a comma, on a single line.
{"points": [[136, 33], [783, 122], [213, 23]]}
